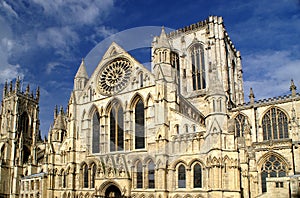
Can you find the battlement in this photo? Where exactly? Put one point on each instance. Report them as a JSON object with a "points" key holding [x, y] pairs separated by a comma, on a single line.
{"points": [[200, 25], [268, 101], [10, 90]]}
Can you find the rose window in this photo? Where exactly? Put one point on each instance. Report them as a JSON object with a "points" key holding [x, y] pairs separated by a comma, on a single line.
{"points": [[114, 77]]}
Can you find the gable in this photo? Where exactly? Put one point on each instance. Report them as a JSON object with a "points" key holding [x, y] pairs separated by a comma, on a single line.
{"points": [[117, 72]]}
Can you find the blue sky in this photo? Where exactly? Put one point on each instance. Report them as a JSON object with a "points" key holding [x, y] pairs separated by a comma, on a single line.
{"points": [[43, 42]]}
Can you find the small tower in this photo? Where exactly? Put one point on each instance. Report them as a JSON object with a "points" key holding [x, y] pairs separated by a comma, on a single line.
{"points": [[19, 135], [59, 127], [161, 54], [81, 77], [293, 88], [251, 96]]}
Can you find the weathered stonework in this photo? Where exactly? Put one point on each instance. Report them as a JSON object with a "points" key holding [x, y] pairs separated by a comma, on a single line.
{"points": [[179, 130]]}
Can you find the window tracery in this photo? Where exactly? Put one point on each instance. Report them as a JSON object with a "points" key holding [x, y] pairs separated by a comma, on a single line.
{"points": [[198, 67], [197, 176], [139, 175], [151, 175], [116, 128], [139, 125], [96, 133], [273, 167], [181, 176], [240, 123], [275, 124]]}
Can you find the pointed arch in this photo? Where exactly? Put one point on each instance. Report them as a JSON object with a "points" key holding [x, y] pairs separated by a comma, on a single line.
{"points": [[272, 165], [275, 124], [114, 101], [241, 121], [139, 124], [85, 174], [149, 100], [151, 173], [197, 58], [197, 174], [139, 174], [93, 108], [96, 132], [181, 174], [93, 174], [134, 100]]}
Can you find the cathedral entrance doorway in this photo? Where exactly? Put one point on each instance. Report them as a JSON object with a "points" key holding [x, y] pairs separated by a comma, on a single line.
{"points": [[113, 192]]}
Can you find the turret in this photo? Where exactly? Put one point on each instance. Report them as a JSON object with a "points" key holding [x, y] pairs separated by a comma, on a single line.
{"points": [[59, 126], [81, 77], [293, 88], [161, 54]]}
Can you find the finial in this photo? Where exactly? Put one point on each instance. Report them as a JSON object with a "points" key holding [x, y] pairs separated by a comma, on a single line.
{"points": [[37, 93], [61, 110], [17, 86], [293, 88], [55, 112], [10, 86], [27, 89], [5, 89], [251, 96]]}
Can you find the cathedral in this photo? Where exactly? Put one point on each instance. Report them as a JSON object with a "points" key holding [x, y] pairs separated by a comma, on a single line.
{"points": [[179, 130]]}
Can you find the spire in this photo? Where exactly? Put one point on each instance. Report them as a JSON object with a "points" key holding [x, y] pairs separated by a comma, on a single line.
{"points": [[17, 85], [293, 88], [37, 93], [251, 96], [10, 86], [81, 72], [5, 89], [59, 122], [27, 89], [162, 41], [55, 112]]}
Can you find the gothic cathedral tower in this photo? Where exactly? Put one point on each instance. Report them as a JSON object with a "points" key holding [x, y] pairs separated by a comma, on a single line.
{"points": [[19, 134]]}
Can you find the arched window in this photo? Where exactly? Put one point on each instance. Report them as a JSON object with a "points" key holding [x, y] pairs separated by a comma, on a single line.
{"points": [[116, 128], [141, 79], [198, 67], [139, 175], [64, 179], [186, 128], [93, 175], [240, 123], [176, 128], [139, 125], [26, 154], [96, 133], [181, 177], [24, 125], [151, 175], [85, 176], [197, 176], [273, 167], [275, 124]]}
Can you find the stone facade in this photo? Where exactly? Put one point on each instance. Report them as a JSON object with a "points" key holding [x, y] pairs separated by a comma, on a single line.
{"points": [[179, 130]]}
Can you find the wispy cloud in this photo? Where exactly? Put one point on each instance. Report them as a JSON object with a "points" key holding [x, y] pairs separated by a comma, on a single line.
{"points": [[9, 9], [74, 11], [57, 37], [269, 73]]}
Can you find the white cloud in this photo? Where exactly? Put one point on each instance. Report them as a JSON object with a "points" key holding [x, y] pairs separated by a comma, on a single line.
{"points": [[8, 71], [269, 73], [76, 12], [9, 9], [53, 65], [57, 37]]}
